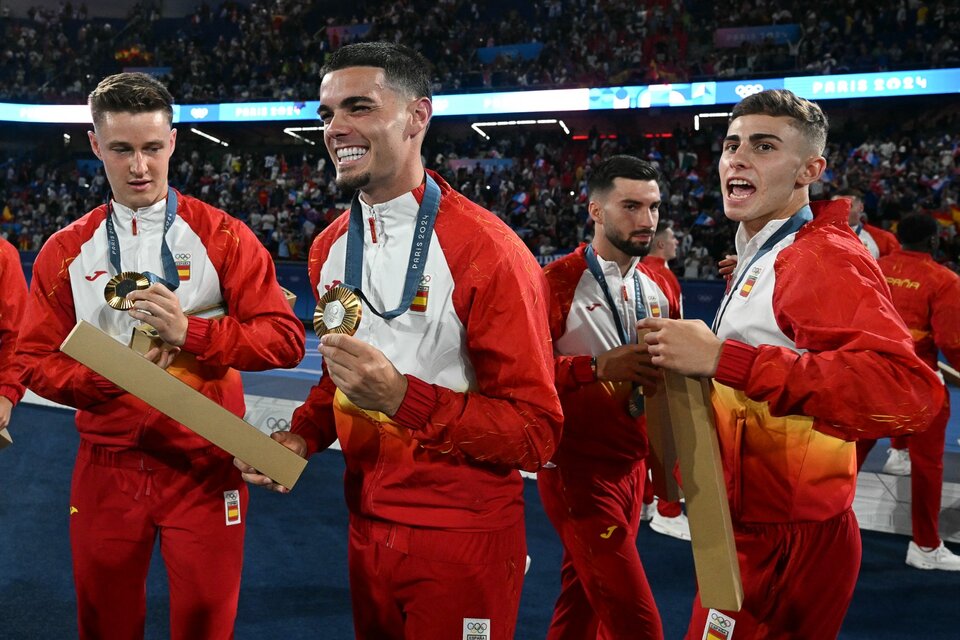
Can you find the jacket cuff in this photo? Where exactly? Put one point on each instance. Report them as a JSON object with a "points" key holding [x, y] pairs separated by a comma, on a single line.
{"points": [[198, 335], [11, 393], [736, 362], [581, 369], [417, 405]]}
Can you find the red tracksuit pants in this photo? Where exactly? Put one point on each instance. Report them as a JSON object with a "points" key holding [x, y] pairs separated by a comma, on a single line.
{"points": [[798, 580], [604, 593], [413, 583], [120, 504], [926, 476]]}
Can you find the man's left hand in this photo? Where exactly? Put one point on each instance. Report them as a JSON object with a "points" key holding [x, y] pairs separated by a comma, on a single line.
{"points": [[363, 373], [6, 408], [160, 308]]}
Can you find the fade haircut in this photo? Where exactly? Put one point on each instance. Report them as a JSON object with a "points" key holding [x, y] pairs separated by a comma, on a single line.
{"points": [[807, 116], [663, 226], [129, 93], [622, 166], [405, 69]]}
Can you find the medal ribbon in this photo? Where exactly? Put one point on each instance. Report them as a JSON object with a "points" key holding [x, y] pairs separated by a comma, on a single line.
{"points": [[419, 248], [792, 225], [171, 278], [594, 265]]}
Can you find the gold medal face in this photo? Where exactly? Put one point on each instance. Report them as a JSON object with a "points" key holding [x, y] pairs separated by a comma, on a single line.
{"points": [[338, 311], [120, 285]]}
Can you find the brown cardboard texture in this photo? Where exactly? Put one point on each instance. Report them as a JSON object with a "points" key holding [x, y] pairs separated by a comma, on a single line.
{"points": [[162, 391], [701, 473], [663, 450], [5, 439]]}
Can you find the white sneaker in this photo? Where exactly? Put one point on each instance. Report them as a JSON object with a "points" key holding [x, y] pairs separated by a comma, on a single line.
{"points": [[677, 527], [898, 462], [647, 511], [527, 566], [939, 558]]}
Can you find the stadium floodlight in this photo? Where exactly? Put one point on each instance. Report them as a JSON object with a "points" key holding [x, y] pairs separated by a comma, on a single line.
{"points": [[208, 136], [714, 114], [479, 126], [295, 133]]}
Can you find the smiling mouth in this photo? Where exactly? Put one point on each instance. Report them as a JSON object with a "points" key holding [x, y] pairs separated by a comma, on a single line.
{"points": [[739, 189], [350, 154]]}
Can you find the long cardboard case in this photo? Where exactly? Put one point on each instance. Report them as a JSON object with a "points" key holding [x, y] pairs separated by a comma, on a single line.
{"points": [[691, 423], [162, 391]]}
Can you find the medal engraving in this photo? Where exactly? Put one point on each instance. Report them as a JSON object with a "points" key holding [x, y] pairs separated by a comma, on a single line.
{"points": [[338, 311]]}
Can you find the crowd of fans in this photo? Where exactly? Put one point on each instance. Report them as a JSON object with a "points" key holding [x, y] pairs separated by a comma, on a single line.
{"points": [[272, 49], [534, 181]]}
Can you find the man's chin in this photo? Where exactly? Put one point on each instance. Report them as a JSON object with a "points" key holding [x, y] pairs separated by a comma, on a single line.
{"points": [[351, 183]]}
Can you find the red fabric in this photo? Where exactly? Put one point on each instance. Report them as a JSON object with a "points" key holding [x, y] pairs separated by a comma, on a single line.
{"points": [[470, 442], [111, 493], [260, 332], [604, 592], [736, 360], [927, 297], [832, 301], [13, 298], [418, 403], [887, 242], [798, 580], [411, 582]]}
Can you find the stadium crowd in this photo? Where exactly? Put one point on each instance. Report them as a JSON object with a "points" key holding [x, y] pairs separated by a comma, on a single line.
{"points": [[535, 182], [272, 50]]}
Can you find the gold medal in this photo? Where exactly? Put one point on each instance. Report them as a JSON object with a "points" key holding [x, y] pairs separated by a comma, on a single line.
{"points": [[635, 404], [120, 285], [338, 311]]}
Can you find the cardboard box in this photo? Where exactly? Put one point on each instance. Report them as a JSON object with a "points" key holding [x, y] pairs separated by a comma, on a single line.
{"points": [[162, 391], [5, 439], [663, 450], [144, 337], [701, 473]]}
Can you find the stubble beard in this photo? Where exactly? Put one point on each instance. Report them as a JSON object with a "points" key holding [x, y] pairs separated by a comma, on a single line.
{"points": [[349, 184], [631, 248]]}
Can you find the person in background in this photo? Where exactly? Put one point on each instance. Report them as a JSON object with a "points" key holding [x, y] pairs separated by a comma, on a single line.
{"points": [[927, 296], [593, 493]]}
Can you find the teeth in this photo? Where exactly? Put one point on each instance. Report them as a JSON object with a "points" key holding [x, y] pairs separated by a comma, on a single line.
{"points": [[347, 154], [739, 183]]}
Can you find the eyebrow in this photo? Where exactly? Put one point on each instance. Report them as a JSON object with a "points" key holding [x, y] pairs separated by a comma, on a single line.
{"points": [[628, 201], [346, 102], [754, 137]]}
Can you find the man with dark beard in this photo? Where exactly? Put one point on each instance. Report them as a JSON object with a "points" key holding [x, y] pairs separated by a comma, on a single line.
{"points": [[593, 493], [445, 387]]}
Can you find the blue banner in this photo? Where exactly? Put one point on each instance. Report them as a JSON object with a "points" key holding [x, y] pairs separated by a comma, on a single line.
{"points": [[737, 36], [526, 51]]}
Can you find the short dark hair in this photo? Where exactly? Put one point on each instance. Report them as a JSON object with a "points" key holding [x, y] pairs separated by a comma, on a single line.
{"points": [[130, 93], [917, 228], [663, 226], [620, 166], [404, 68], [849, 193], [808, 116]]}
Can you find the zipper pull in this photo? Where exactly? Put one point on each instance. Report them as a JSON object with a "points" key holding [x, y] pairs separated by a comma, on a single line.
{"points": [[373, 229], [134, 224], [623, 292]]}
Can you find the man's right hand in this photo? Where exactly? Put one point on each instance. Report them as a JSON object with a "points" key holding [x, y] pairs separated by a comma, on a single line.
{"points": [[291, 441], [629, 363]]}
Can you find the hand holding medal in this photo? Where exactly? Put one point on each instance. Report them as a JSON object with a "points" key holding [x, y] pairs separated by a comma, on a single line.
{"points": [[338, 311], [120, 285]]}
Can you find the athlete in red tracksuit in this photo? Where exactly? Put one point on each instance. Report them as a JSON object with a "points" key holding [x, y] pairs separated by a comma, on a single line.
{"points": [[438, 407], [139, 475], [927, 296], [665, 249], [809, 356], [13, 299], [594, 491]]}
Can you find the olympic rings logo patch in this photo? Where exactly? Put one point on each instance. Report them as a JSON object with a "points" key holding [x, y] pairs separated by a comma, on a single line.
{"points": [[476, 629]]}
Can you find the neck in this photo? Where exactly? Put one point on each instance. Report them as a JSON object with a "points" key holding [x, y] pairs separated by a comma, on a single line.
{"points": [[608, 252], [753, 227], [386, 193]]}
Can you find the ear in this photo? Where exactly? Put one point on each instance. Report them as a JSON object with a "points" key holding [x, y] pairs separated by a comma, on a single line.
{"points": [[811, 171], [421, 110], [173, 140], [94, 145], [595, 211]]}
